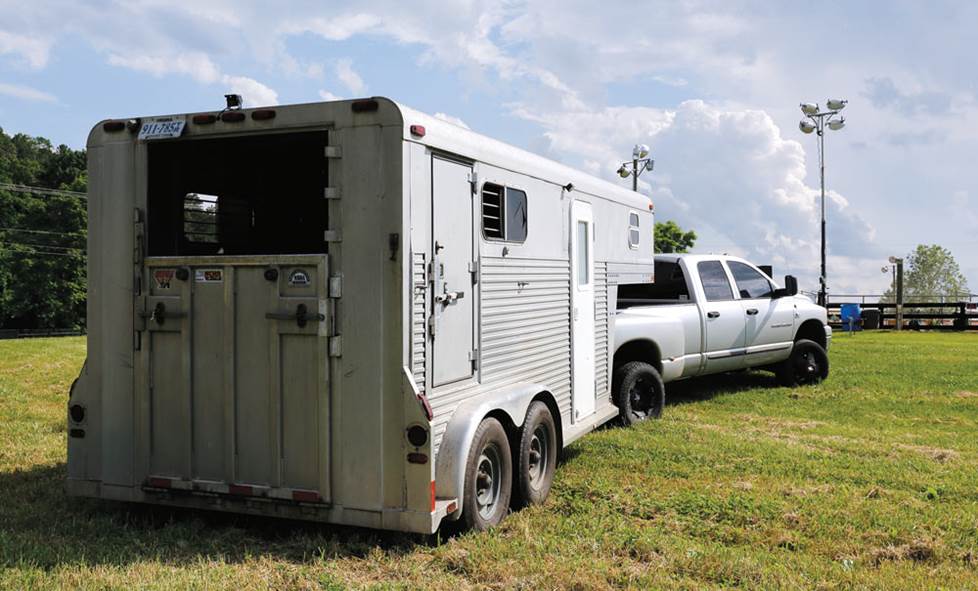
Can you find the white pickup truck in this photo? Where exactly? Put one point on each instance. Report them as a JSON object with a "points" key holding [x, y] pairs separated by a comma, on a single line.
{"points": [[708, 314]]}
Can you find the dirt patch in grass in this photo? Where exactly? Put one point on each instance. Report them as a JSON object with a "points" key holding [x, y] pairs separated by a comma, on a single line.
{"points": [[917, 551], [966, 394], [934, 453]]}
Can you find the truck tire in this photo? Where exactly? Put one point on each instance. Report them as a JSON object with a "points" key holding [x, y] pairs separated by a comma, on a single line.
{"points": [[536, 457], [639, 392], [488, 477], [807, 364]]}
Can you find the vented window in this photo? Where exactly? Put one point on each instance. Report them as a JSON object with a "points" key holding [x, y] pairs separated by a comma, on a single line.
{"points": [[504, 213]]}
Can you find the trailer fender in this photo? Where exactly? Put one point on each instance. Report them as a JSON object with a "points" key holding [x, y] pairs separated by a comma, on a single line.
{"points": [[454, 449]]}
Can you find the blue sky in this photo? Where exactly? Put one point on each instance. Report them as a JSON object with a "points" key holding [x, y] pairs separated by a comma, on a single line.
{"points": [[713, 87]]}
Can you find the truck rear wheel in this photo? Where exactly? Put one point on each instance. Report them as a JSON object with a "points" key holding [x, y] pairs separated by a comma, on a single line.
{"points": [[537, 458], [807, 364], [488, 477], [639, 392]]}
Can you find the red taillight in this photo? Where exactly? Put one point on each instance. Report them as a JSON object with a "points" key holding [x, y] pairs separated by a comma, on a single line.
{"points": [[417, 458], [306, 496], [113, 126], [364, 106], [232, 117], [432, 495], [263, 114], [204, 119], [418, 130]]}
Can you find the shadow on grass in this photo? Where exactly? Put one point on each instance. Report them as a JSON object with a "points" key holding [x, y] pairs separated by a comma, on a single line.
{"points": [[40, 526], [709, 387]]}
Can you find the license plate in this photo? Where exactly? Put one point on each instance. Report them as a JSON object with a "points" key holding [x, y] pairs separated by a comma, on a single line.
{"points": [[157, 129]]}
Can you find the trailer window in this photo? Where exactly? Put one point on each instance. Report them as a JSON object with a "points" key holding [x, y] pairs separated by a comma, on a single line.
{"points": [[260, 194], [715, 282], [634, 236], [503, 213]]}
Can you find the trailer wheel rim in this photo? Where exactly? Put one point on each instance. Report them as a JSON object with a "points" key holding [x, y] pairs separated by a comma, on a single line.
{"points": [[487, 481], [640, 396], [539, 456]]}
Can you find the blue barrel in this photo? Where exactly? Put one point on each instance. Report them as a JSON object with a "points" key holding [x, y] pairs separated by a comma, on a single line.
{"points": [[851, 315]]}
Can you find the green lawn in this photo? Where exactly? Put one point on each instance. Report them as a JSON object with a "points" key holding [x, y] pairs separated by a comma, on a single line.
{"points": [[868, 481]]}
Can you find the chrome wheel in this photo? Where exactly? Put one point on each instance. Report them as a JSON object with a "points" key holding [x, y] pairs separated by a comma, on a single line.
{"points": [[487, 481], [539, 456]]}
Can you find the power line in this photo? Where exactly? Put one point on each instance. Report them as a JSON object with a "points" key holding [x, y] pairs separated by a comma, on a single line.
{"points": [[41, 232], [42, 191], [35, 245]]}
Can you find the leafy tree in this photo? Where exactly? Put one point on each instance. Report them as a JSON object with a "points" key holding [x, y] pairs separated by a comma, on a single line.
{"points": [[669, 237], [930, 272], [42, 236]]}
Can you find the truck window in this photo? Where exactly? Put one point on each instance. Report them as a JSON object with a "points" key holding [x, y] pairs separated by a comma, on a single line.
{"points": [[670, 287], [715, 282], [750, 283], [503, 213], [254, 195]]}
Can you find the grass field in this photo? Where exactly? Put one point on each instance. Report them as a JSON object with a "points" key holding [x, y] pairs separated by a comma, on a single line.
{"points": [[867, 481]]}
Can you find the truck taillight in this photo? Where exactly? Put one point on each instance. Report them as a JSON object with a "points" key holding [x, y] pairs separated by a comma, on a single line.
{"points": [[204, 119], [232, 117], [263, 114]]}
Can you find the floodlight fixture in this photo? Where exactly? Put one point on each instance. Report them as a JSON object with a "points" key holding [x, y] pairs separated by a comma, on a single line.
{"points": [[809, 108], [836, 104], [640, 151], [837, 124], [806, 126]]}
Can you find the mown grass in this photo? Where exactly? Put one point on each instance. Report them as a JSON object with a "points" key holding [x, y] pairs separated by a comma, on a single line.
{"points": [[867, 481]]}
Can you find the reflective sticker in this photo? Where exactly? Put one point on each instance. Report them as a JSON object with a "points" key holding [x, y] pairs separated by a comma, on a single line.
{"points": [[209, 275], [163, 278], [299, 278]]}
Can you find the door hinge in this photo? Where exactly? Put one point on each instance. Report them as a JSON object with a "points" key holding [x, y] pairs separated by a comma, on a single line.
{"points": [[474, 358], [331, 193], [332, 236], [431, 326], [336, 286], [336, 346], [333, 152], [474, 181], [474, 269]]}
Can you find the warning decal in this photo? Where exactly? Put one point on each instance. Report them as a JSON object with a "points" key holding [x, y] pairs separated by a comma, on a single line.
{"points": [[209, 275], [163, 278], [299, 278]]}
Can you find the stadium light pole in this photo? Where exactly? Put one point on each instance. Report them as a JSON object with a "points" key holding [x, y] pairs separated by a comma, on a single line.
{"points": [[817, 121], [640, 163]]}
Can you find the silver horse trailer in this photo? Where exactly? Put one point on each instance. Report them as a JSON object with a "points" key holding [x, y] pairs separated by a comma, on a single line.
{"points": [[347, 311]]}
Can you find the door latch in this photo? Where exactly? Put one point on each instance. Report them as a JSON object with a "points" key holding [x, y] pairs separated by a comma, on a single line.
{"points": [[159, 314], [449, 297], [302, 316]]}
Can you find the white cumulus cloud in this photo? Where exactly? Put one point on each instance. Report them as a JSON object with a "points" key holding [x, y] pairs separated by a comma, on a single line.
{"points": [[255, 93], [26, 93], [349, 77]]}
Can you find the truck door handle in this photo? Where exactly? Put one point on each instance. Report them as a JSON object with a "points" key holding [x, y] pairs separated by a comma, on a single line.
{"points": [[712, 314], [301, 316], [751, 311]]}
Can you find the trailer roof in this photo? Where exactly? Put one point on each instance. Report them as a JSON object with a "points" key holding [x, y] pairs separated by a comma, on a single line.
{"points": [[453, 138]]}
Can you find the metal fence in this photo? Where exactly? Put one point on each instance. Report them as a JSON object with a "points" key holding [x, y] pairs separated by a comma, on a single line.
{"points": [[932, 315], [27, 333]]}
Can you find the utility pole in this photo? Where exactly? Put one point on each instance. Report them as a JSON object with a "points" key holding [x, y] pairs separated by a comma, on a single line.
{"points": [[640, 163], [898, 262]]}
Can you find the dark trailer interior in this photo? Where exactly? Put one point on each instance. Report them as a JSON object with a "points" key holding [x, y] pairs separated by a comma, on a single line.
{"points": [[256, 195]]}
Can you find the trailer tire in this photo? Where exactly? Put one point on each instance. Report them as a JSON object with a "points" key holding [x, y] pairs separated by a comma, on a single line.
{"points": [[536, 456], [807, 364], [639, 392], [488, 477]]}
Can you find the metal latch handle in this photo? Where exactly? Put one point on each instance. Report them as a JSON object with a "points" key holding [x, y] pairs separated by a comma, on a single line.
{"points": [[449, 297], [159, 314], [301, 316]]}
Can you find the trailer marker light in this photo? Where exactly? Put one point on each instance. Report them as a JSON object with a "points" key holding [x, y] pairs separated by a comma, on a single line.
{"points": [[432, 496], [263, 114], [159, 482], [417, 435], [232, 117], [417, 458], [240, 489], [306, 496], [451, 507], [77, 412], [77, 433], [204, 119], [113, 126], [364, 106], [418, 130]]}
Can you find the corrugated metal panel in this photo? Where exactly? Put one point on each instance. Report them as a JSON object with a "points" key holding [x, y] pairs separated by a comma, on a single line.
{"points": [[525, 309], [419, 283], [601, 322]]}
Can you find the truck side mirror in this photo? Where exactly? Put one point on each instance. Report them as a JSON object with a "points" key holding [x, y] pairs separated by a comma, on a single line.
{"points": [[790, 288]]}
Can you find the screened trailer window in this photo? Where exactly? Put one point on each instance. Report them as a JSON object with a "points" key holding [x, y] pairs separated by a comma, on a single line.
{"points": [[634, 236], [254, 195], [504, 213]]}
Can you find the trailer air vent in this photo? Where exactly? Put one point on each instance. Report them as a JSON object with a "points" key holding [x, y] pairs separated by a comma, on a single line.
{"points": [[232, 117], [492, 210], [364, 106], [263, 114], [204, 119], [113, 126]]}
